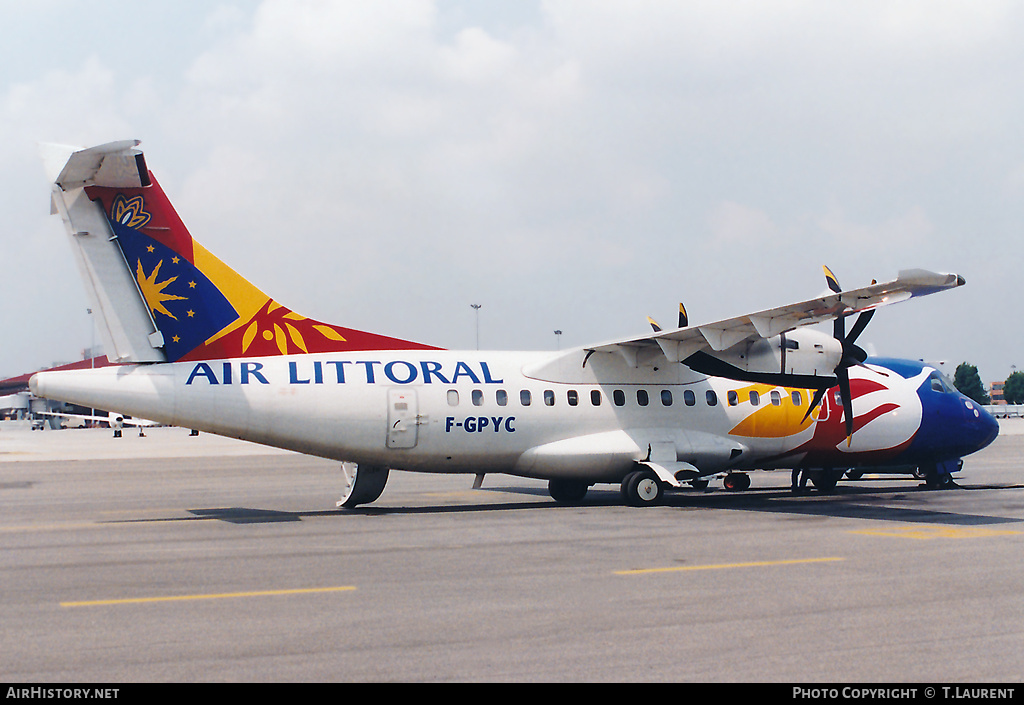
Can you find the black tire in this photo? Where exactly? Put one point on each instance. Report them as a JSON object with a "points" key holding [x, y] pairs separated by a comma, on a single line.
{"points": [[567, 491], [642, 488], [736, 481]]}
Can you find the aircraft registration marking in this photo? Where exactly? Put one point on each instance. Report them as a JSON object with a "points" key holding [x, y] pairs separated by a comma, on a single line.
{"points": [[476, 424], [213, 596], [924, 533], [723, 566]]}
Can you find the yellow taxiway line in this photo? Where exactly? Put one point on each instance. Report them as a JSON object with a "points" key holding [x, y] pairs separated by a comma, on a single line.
{"points": [[937, 532], [724, 566], [214, 596]]}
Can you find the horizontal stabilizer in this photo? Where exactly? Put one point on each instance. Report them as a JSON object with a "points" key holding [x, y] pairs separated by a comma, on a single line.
{"points": [[115, 164]]}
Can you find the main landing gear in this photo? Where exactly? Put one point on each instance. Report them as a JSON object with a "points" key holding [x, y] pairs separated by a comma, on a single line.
{"points": [[641, 488], [736, 481], [567, 491]]}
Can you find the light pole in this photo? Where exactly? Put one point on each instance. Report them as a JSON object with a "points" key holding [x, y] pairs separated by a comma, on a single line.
{"points": [[558, 339], [476, 308]]}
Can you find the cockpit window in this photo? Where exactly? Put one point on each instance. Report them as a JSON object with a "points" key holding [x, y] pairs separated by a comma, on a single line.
{"points": [[939, 383]]}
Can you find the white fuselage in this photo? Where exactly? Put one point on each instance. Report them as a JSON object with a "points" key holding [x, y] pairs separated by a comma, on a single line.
{"points": [[547, 415]]}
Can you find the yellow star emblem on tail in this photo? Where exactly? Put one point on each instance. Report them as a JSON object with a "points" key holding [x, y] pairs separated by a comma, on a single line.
{"points": [[153, 291]]}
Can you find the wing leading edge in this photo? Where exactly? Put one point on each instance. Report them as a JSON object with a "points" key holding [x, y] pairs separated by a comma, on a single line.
{"points": [[679, 345]]}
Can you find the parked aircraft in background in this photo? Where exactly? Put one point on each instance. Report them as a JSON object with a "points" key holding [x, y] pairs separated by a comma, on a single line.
{"points": [[201, 347], [116, 420]]}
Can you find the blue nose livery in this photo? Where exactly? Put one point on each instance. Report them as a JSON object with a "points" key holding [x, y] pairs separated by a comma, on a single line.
{"points": [[196, 345]]}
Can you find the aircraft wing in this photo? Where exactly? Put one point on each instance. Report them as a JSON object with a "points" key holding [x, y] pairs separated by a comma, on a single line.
{"points": [[679, 344], [112, 419]]}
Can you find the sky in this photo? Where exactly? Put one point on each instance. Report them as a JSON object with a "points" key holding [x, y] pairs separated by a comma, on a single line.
{"points": [[573, 165]]}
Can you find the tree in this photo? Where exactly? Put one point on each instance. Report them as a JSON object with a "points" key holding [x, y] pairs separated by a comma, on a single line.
{"points": [[968, 382], [1013, 390]]}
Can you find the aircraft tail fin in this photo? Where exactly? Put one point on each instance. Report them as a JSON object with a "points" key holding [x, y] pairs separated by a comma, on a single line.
{"points": [[160, 295]]}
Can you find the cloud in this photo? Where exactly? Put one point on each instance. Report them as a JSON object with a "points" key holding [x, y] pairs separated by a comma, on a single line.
{"points": [[413, 155]]}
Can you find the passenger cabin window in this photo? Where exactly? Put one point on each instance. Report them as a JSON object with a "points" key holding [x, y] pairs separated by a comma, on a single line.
{"points": [[711, 398], [755, 399], [798, 400], [549, 398], [478, 397], [525, 398], [666, 397], [619, 397], [641, 397], [595, 397], [776, 398], [688, 398], [453, 397], [573, 397], [734, 398], [501, 396]]}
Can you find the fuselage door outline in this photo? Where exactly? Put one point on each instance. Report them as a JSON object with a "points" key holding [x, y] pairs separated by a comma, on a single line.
{"points": [[403, 418]]}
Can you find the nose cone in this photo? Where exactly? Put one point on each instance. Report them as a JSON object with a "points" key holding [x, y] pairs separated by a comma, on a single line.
{"points": [[972, 429], [953, 426], [983, 427]]}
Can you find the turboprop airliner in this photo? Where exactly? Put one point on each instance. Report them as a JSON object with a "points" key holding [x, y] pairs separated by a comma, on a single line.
{"points": [[196, 345]]}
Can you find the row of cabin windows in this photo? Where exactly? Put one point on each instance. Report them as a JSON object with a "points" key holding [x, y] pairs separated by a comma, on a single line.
{"points": [[643, 398]]}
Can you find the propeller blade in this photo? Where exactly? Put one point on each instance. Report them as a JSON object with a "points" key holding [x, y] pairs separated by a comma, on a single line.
{"points": [[858, 327], [831, 280], [683, 320], [819, 394], [654, 324], [847, 401], [852, 355]]}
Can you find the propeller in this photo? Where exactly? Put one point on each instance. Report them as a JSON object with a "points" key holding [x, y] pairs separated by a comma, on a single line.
{"points": [[852, 355], [683, 320]]}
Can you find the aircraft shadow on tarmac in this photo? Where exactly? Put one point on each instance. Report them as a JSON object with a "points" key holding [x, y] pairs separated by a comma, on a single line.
{"points": [[846, 501]]}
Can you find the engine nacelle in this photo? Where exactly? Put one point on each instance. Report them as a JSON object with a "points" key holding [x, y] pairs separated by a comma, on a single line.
{"points": [[801, 357]]}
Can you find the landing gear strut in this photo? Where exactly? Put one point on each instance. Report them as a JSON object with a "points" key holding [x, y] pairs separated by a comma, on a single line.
{"points": [[937, 476]]}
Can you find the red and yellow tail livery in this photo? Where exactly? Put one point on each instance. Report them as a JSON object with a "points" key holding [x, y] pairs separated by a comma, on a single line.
{"points": [[199, 308]]}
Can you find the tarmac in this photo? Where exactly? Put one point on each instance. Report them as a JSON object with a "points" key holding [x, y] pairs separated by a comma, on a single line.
{"points": [[178, 558]]}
